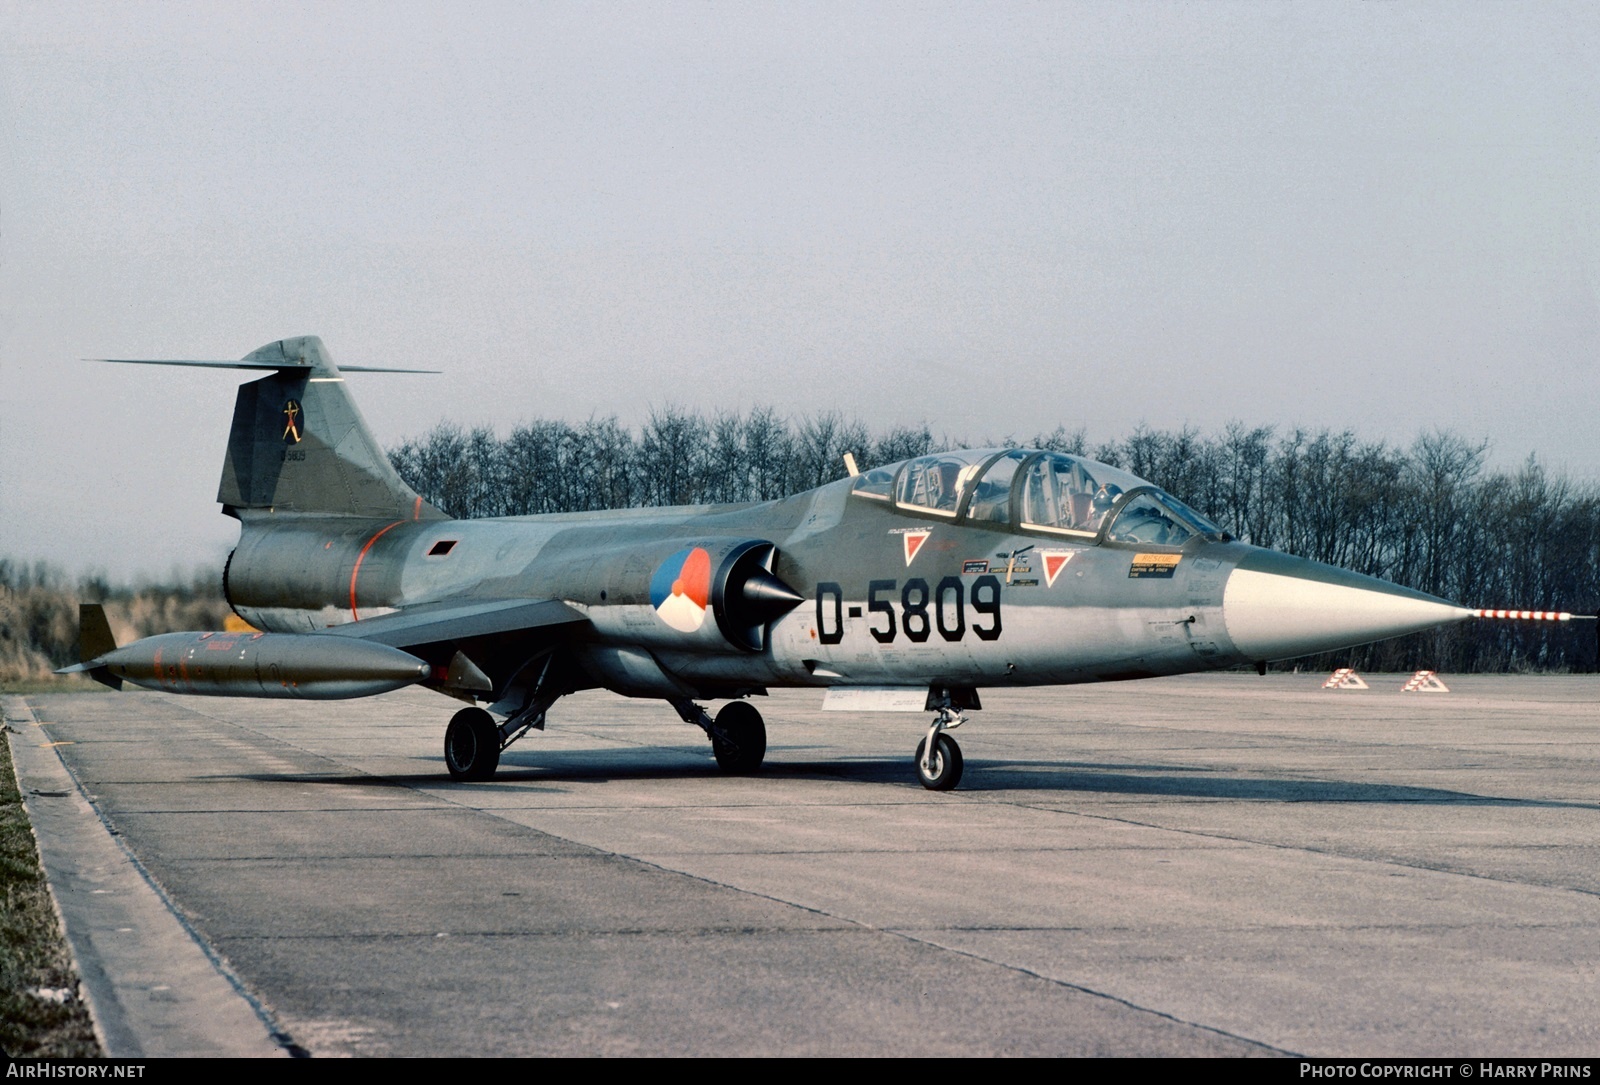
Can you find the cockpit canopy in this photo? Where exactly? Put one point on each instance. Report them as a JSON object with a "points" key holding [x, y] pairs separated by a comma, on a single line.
{"points": [[1048, 492]]}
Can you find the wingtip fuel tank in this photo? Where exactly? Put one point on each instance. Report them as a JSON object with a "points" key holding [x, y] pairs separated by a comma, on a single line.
{"points": [[285, 665]]}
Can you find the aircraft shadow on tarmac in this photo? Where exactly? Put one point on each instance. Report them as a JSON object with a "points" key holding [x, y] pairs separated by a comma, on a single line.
{"points": [[983, 777], [1207, 783]]}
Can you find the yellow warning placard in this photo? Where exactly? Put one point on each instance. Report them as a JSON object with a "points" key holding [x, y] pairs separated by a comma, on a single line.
{"points": [[1154, 565]]}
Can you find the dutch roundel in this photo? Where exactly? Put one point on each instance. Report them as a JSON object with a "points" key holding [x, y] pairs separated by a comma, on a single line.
{"points": [[681, 589]]}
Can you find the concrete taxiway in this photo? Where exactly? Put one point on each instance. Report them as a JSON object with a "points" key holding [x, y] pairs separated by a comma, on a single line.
{"points": [[1209, 865]]}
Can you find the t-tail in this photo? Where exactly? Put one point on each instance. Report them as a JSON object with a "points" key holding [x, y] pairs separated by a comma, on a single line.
{"points": [[299, 444]]}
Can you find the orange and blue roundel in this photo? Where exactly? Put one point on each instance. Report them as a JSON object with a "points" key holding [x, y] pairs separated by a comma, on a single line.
{"points": [[681, 589]]}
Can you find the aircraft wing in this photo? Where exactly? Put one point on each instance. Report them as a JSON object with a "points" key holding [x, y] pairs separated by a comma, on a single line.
{"points": [[433, 623]]}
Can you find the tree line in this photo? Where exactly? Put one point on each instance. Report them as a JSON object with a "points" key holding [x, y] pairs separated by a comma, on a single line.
{"points": [[39, 613], [676, 458], [1429, 515]]}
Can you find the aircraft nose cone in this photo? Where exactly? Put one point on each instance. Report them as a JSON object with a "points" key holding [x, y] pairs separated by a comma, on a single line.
{"points": [[1276, 607]]}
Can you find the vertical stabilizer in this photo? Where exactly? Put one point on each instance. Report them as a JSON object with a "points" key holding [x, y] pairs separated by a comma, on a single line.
{"points": [[299, 444], [95, 639]]}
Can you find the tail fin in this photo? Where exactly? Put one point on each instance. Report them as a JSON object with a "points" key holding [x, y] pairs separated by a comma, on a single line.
{"points": [[299, 444], [95, 639]]}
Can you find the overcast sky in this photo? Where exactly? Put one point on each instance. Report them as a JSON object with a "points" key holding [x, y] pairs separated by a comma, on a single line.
{"points": [[992, 218]]}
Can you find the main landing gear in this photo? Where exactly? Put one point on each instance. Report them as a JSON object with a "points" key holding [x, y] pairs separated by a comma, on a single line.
{"points": [[738, 734], [939, 762], [473, 742], [742, 744], [472, 745]]}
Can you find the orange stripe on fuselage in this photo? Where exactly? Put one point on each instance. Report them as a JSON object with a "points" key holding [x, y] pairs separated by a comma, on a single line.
{"points": [[354, 617]]}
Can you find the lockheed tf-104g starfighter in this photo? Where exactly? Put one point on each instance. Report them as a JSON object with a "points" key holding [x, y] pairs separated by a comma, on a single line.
{"points": [[913, 585]]}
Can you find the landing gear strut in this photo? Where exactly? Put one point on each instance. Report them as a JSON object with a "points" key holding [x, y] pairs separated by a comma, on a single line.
{"points": [[939, 762], [738, 734]]}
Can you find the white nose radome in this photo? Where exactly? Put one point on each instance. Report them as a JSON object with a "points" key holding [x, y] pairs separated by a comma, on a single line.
{"points": [[1294, 607]]}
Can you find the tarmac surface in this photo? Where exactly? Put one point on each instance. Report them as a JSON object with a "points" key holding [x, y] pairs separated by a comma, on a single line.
{"points": [[1208, 865]]}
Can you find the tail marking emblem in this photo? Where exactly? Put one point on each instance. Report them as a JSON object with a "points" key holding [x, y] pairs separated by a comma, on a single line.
{"points": [[291, 424]]}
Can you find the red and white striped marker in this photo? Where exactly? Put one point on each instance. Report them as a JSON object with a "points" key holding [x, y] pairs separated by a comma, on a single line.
{"points": [[1344, 678], [1425, 682], [1527, 615]]}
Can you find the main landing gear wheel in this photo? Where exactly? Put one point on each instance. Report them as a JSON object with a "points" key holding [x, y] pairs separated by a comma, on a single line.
{"points": [[472, 745], [945, 771], [747, 738]]}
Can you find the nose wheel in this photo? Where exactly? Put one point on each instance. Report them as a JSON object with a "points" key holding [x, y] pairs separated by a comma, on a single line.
{"points": [[942, 770]]}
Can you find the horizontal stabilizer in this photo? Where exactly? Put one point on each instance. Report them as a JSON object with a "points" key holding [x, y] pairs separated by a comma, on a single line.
{"points": [[436, 623], [286, 364]]}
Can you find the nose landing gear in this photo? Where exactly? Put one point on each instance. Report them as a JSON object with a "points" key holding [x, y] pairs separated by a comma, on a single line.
{"points": [[939, 762]]}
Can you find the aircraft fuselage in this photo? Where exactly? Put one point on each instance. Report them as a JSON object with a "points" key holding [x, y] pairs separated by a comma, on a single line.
{"points": [[958, 603]]}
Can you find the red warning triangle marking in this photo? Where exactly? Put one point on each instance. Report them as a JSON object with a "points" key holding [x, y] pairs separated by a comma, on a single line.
{"points": [[1054, 562], [914, 541]]}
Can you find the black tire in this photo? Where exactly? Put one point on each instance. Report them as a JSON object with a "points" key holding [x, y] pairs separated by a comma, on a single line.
{"points": [[472, 745], [746, 747], [947, 765]]}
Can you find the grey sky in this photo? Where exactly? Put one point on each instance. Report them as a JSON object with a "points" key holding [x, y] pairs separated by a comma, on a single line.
{"points": [[994, 218]]}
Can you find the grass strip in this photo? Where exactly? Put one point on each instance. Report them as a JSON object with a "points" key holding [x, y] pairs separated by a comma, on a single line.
{"points": [[33, 953]]}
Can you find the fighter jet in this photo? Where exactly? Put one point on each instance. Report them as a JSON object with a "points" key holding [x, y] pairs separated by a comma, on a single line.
{"points": [[910, 586]]}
